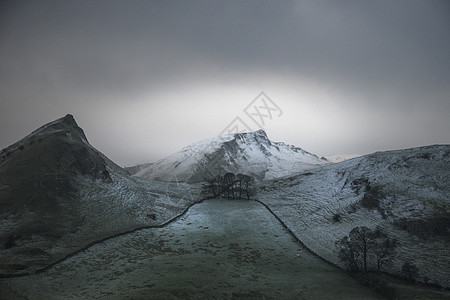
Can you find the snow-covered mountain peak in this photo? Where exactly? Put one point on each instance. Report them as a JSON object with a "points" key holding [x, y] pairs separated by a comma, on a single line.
{"points": [[251, 153], [258, 137]]}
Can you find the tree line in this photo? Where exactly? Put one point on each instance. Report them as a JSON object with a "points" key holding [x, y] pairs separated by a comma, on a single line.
{"points": [[372, 250], [229, 186]]}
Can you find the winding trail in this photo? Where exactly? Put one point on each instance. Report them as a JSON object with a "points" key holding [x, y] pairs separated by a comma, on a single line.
{"points": [[222, 249]]}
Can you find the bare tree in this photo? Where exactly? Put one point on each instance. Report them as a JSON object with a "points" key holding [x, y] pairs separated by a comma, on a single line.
{"points": [[247, 182], [383, 247], [361, 242], [228, 185], [347, 253], [361, 238]]}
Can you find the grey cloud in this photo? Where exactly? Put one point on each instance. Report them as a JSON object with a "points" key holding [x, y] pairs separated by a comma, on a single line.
{"points": [[115, 42], [56, 51]]}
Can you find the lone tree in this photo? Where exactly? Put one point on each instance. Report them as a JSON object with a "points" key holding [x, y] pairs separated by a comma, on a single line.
{"points": [[361, 238], [347, 253]]}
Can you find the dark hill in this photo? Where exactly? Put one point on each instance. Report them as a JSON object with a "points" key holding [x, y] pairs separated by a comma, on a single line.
{"points": [[58, 194], [38, 177]]}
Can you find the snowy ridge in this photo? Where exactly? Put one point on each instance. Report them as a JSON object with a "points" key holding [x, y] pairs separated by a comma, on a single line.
{"points": [[413, 206], [181, 165], [247, 153]]}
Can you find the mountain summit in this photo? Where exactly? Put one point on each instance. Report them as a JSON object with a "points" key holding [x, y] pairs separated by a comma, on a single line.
{"points": [[251, 153], [58, 194]]}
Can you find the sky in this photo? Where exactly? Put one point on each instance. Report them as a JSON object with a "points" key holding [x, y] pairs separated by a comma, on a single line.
{"points": [[146, 78]]}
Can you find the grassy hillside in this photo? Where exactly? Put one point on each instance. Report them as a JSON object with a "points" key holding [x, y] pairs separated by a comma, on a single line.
{"points": [[404, 193], [58, 194]]}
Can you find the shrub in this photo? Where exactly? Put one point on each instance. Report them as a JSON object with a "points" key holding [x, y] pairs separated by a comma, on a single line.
{"points": [[360, 184], [426, 156], [21, 147], [11, 241], [337, 218], [353, 207], [372, 199], [409, 270]]}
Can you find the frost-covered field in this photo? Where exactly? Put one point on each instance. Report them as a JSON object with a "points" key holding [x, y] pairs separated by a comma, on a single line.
{"points": [[415, 190], [219, 250]]}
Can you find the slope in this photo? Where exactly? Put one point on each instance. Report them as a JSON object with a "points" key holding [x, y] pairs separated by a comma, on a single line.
{"points": [[405, 193], [58, 194]]}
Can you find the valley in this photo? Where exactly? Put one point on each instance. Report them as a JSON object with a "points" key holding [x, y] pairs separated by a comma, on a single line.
{"points": [[219, 249], [76, 225]]}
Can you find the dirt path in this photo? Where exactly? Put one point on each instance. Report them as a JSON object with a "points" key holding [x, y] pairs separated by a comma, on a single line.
{"points": [[219, 249]]}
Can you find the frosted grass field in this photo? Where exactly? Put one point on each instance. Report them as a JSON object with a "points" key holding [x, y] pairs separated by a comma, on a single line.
{"points": [[219, 249]]}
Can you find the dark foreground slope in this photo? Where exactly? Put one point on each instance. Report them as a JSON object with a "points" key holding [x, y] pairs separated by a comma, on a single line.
{"points": [[406, 193], [58, 194]]}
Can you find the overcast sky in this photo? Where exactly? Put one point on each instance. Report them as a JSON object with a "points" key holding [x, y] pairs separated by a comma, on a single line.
{"points": [[145, 78]]}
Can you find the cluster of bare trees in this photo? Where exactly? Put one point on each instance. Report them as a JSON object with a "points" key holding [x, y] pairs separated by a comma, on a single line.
{"points": [[364, 247], [230, 186]]}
